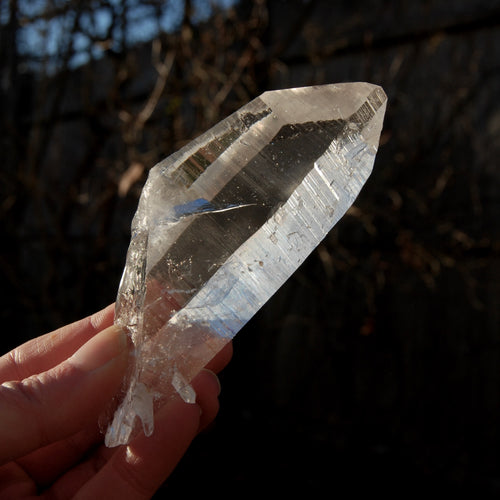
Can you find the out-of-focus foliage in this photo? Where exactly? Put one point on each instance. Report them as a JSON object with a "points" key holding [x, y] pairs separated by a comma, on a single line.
{"points": [[78, 138], [376, 366], [52, 35]]}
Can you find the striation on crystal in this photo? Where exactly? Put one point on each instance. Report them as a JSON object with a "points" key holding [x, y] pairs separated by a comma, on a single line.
{"points": [[225, 221]]}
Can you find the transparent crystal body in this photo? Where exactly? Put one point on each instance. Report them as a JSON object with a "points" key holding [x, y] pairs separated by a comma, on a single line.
{"points": [[225, 221]]}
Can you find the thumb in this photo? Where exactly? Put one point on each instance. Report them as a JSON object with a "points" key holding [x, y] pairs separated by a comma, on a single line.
{"points": [[57, 403]]}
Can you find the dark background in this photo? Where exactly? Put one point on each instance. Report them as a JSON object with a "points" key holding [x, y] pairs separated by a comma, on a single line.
{"points": [[376, 367]]}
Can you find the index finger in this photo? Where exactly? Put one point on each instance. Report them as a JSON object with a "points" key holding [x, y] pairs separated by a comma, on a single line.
{"points": [[45, 352]]}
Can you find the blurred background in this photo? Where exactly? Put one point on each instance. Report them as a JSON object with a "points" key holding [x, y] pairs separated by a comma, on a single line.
{"points": [[377, 366]]}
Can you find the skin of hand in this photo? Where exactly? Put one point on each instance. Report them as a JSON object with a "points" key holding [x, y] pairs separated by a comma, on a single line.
{"points": [[53, 390]]}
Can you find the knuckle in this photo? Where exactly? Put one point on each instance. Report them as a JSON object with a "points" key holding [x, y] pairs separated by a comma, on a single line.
{"points": [[25, 397], [25, 394], [33, 399], [14, 360]]}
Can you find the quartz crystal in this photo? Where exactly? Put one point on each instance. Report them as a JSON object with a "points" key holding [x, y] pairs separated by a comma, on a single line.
{"points": [[225, 221]]}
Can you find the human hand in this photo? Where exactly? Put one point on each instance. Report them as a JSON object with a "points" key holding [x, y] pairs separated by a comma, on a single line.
{"points": [[53, 390]]}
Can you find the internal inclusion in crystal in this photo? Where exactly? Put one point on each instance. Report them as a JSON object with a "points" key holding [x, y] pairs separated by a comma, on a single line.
{"points": [[222, 223]]}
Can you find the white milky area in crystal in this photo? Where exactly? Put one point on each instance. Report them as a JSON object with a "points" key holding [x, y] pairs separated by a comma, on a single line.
{"points": [[225, 221]]}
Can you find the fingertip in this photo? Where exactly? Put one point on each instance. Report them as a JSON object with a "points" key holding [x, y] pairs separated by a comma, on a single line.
{"points": [[221, 359], [208, 388], [211, 381], [103, 318], [106, 346]]}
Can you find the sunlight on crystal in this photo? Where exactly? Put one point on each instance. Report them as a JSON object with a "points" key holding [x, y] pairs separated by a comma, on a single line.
{"points": [[225, 221]]}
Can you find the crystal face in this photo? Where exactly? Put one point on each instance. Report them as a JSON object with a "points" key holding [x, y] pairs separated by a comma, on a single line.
{"points": [[225, 221]]}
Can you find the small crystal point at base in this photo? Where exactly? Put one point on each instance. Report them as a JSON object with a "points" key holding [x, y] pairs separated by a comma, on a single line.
{"points": [[225, 221]]}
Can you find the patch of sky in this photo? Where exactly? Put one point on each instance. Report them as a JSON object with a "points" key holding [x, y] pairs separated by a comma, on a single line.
{"points": [[171, 17], [43, 37], [142, 23], [203, 9], [4, 13], [44, 41], [96, 22], [31, 8]]}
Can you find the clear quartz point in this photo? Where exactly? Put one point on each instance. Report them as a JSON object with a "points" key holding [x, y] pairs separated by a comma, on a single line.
{"points": [[225, 221]]}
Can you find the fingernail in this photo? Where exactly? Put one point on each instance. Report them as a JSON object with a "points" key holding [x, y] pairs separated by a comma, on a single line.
{"points": [[101, 349], [216, 380]]}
